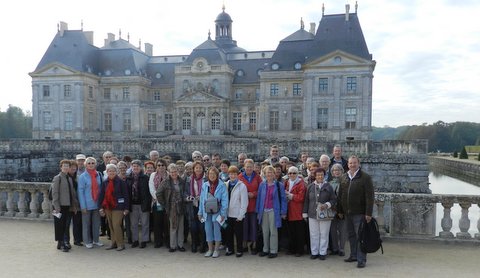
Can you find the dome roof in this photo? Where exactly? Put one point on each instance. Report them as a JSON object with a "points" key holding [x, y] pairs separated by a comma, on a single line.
{"points": [[223, 16]]}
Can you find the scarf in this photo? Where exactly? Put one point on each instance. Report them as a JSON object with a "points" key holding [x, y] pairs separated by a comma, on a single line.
{"points": [[157, 180], [213, 186], [249, 178], [93, 177], [291, 183], [109, 202], [196, 185]]}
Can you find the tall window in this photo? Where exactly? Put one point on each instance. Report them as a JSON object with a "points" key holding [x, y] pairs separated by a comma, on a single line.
{"points": [[46, 90], [107, 94], [47, 120], [126, 93], [296, 120], [90, 120], [168, 122], [68, 119], [156, 96], [297, 89], [186, 121], [274, 120], [237, 121], [322, 118], [351, 84], [252, 121], [127, 121], [257, 94], [238, 93], [323, 85], [67, 91], [152, 122], [350, 117], [215, 121], [274, 89], [90, 92], [107, 121]]}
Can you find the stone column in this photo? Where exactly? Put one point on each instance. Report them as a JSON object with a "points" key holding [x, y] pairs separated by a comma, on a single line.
{"points": [[446, 220], [10, 208], [46, 205], [2, 204], [380, 217], [477, 235], [33, 204], [22, 206], [464, 222]]}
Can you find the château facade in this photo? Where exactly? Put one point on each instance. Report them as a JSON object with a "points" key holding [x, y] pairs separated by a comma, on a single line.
{"points": [[316, 84]]}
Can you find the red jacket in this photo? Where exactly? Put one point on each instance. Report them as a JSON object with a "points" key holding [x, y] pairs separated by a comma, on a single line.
{"points": [[295, 206], [251, 187]]}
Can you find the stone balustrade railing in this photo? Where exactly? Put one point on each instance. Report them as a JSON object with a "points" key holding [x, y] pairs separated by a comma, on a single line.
{"points": [[400, 215]]}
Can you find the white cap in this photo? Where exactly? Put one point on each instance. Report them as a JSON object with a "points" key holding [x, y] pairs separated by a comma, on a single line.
{"points": [[80, 156]]}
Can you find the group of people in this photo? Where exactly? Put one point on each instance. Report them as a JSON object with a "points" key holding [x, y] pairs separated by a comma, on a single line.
{"points": [[255, 207]]}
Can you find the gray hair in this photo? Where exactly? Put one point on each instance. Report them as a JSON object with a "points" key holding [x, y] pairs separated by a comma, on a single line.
{"points": [[324, 156], [172, 166], [310, 159], [337, 166], [90, 158], [111, 166], [284, 158], [197, 153], [293, 169]]}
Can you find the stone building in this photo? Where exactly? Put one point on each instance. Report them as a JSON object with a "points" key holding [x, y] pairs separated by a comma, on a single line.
{"points": [[316, 84]]}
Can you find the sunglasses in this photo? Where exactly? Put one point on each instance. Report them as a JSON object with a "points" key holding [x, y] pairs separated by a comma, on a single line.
{"points": [[160, 165], [206, 160], [90, 163], [292, 173]]}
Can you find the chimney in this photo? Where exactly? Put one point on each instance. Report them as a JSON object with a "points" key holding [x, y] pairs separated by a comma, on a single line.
{"points": [[148, 49], [312, 27], [347, 12], [89, 36], [110, 38], [63, 28]]}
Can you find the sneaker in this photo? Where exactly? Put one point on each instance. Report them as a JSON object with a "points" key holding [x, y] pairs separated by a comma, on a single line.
{"points": [[99, 244], [222, 247], [89, 245], [209, 253], [215, 254]]}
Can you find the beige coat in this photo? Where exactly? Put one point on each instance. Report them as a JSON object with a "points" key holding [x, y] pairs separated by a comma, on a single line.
{"points": [[60, 190]]}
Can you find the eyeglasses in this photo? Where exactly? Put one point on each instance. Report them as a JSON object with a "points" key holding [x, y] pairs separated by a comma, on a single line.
{"points": [[90, 163], [292, 173], [206, 160], [160, 165]]}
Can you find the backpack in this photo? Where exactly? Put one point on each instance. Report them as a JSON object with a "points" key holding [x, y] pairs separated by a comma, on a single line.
{"points": [[369, 236], [211, 203]]}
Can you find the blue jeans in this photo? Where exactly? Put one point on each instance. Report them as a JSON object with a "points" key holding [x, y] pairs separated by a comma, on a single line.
{"points": [[212, 229], [353, 222]]}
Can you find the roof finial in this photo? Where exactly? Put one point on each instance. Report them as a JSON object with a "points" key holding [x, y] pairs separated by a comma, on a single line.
{"points": [[356, 6], [58, 27], [81, 24], [128, 37], [323, 9], [119, 33], [140, 44], [223, 6], [302, 25], [209, 34]]}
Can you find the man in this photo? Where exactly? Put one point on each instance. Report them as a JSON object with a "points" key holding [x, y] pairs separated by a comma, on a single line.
{"points": [[106, 160], [80, 158], [241, 161], [197, 156], [216, 160], [154, 156], [274, 155], [207, 162], [325, 165], [356, 197], [302, 167], [337, 158]]}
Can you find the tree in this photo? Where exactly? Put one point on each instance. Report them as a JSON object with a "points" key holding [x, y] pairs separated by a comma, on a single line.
{"points": [[14, 123], [455, 154], [463, 154]]}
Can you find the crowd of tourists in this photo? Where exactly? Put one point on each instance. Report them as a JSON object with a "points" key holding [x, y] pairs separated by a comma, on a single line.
{"points": [[235, 208]]}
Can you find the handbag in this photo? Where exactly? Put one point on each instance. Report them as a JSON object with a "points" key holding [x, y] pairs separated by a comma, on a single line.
{"points": [[325, 214], [211, 203]]}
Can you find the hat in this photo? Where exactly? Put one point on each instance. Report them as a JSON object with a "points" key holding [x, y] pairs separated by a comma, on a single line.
{"points": [[80, 156]]}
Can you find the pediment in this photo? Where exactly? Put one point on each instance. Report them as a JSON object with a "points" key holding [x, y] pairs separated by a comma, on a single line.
{"points": [[199, 96], [337, 58], [54, 69]]}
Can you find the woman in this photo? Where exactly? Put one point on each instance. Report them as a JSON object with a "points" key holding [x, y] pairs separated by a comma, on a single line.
{"points": [[122, 167], [149, 167], [271, 208], [76, 218], [212, 219], [338, 229], [114, 203], [295, 193], [237, 207], [318, 199], [159, 220], [251, 180], [224, 175], [193, 190], [89, 184], [64, 202], [170, 195]]}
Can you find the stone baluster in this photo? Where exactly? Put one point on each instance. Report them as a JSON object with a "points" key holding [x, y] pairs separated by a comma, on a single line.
{"points": [[10, 208], [477, 235], [21, 204], [46, 205], [464, 222], [446, 220], [2, 203], [380, 217], [33, 204]]}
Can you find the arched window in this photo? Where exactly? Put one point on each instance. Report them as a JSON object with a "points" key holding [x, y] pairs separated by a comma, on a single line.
{"points": [[186, 121], [215, 121]]}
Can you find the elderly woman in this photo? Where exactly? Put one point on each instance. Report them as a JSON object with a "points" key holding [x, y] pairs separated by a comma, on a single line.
{"points": [[159, 220], [149, 167], [251, 180], [114, 203], [271, 208], [213, 190], [193, 190], [89, 184], [237, 207], [64, 202], [295, 192], [319, 197], [338, 229], [171, 196]]}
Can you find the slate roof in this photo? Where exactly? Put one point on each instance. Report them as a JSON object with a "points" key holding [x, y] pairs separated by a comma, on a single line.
{"points": [[209, 50], [250, 69], [118, 60], [167, 71]]}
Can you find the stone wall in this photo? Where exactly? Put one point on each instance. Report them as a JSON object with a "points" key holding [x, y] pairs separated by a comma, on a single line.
{"points": [[464, 169], [396, 166]]}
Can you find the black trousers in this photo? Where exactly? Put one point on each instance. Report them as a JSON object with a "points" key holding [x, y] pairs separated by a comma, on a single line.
{"points": [[76, 220], [296, 236], [234, 228], [60, 224], [159, 231]]}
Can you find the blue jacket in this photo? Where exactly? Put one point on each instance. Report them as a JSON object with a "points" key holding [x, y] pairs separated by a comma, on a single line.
{"points": [[277, 209], [222, 196], [85, 191]]}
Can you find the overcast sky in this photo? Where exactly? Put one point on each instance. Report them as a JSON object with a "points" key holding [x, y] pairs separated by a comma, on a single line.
{"points": [[427, 52]]}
